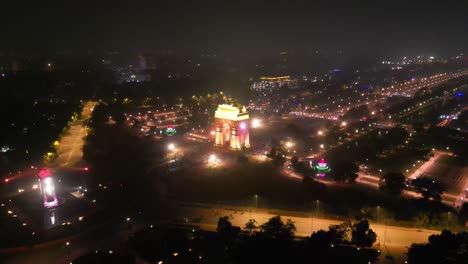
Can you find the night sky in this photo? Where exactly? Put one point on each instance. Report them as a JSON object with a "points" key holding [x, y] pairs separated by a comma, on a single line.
{"points": [[248, 27]]}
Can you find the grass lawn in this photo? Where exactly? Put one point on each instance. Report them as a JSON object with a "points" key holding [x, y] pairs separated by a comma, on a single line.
{"points": [[400, 160]]}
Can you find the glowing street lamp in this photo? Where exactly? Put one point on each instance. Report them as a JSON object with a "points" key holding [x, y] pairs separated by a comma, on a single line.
{"points": [[320, 132], [343, 124], [171, 147], [212, 158], [289, 144], [256, 123]]}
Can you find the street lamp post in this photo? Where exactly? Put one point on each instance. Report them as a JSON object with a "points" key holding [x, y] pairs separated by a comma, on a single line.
{"points": [[317, 208], [378, 213], [256, 201], [385, 233], [311, 223], [448, 217]]}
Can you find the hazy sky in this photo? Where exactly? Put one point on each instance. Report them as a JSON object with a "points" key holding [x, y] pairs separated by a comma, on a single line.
{"points": [[251, 26]]}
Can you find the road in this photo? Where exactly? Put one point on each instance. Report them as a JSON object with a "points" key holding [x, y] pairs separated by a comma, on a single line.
{"points": [[423, 168], [407, 89], [393, 240], [449, 198], [70, 148]]}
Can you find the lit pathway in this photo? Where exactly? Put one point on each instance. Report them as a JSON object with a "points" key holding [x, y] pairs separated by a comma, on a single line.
{"points": [[70, 148]]}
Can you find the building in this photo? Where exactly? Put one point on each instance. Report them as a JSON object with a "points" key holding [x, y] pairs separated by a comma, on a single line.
{"points": [[232, 127], [274, 83]]}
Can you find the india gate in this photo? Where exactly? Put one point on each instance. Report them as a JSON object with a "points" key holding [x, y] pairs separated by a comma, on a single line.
{"points": [[232, 127]]}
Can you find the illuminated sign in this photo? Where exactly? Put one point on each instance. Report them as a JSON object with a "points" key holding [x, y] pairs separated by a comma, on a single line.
{"points": [[170, 130], [322, 168]]}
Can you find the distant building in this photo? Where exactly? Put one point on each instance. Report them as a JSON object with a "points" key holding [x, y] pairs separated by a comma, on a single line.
{"points": [[274, 83]]}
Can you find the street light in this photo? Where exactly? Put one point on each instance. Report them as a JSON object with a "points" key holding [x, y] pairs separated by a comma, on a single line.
{"points": [[378, 213], [171, 147], [256, 201], [212, 158], [320, 132], [448, 217], [317, 208], [255, 123]]}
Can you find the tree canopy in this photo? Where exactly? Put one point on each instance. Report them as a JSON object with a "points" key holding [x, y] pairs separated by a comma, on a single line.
{"points": [[344, 170], [446, 248], [428, 188], [277, 229], [392, 182]]}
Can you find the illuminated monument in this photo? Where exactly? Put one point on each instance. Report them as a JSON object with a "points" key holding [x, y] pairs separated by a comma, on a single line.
{"points": [[47, 188], [232, 127], [322, 168]]}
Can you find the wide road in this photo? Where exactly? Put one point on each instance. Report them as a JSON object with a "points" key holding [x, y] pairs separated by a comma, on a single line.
{"points": [[393, 240], [70, 148]]}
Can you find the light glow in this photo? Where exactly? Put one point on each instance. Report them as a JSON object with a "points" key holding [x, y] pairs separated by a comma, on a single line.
{"points": [[48, 189], [212, 158], [256, 123], [242, 126], [171, 147]]}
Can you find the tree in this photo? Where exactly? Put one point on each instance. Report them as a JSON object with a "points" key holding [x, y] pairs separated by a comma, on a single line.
{"points": [[277, 157], [297, 165], [272, 153], [392, 183], [275, 228], [279, 160], [357, 112], [339, 233], [446, 248], [251, 225], [362, 235], [428, 188], [344, 171], [294, 161], [224, 225], [423, 220], [226, 230]]}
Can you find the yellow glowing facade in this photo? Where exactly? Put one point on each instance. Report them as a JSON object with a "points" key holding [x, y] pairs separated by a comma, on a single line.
{"points": [[232, 126]]}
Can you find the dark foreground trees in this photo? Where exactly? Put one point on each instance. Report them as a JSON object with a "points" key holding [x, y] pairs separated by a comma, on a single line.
{"points": [[446, 248], [275, 228], [179, 244], [355, 233]]}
